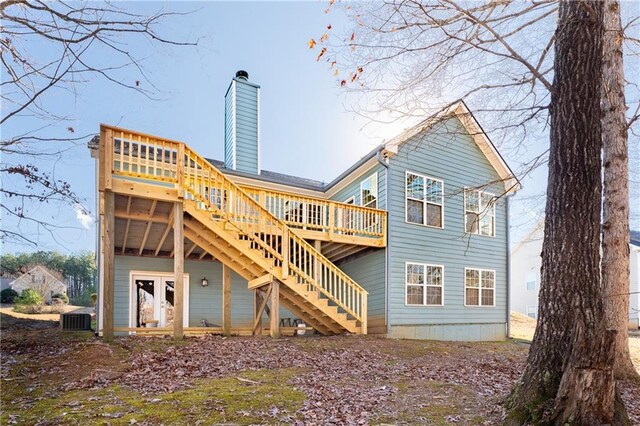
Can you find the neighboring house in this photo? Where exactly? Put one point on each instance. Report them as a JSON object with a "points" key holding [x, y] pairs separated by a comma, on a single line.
{"points": [[525, 272], [41, 279], [4, 282], [410, 241], [525, 275]]}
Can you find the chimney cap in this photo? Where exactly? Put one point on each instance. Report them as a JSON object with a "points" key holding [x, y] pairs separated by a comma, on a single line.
{"points": [[242, 74]]}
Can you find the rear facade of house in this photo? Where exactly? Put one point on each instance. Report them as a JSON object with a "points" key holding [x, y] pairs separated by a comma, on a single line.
{"points": [[410, 242]]}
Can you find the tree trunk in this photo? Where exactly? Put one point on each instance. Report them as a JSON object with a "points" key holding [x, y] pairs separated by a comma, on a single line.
{"points": [[615, 232], [571, 318]]}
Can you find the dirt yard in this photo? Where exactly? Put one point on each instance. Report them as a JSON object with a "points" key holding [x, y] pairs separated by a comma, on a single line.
{"points": [[50, 377], [8, 310]]}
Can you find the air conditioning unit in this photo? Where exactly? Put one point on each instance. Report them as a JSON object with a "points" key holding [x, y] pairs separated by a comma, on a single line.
{"points": [[75, 322]]}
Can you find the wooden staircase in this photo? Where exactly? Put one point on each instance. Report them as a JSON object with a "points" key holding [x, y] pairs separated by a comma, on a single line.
{"points": [[237, 230]]}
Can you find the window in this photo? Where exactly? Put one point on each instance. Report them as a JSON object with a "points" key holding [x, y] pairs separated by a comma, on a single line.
{"points": [[532, 311], [479, 212], [424, 284], [424, 200], [369, 191], [531, 285], [479, 287]]}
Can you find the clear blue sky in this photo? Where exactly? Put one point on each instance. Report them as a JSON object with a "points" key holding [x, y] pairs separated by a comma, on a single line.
{"points": [[305, 128]]}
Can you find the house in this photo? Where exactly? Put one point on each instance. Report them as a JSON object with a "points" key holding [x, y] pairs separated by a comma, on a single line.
{"points": [[410, 241], [41, 279], [525, 274]]}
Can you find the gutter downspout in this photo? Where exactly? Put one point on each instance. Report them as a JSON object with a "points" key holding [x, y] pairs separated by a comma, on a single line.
{"points": [[384, 163], [508, 270]]}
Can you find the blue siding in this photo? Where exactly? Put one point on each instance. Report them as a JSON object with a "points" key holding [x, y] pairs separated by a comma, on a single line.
{"points": [[229, 129], [448, 153], [353, 189], [204, 302], [241, 136], [369, 272]]}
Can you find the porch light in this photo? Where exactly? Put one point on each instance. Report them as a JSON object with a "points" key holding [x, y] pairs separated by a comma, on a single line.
{"points": [[204, 282]]}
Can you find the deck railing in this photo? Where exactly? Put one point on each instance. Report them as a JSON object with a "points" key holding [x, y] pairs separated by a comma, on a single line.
{"points": [[150, 158], [146, 157], [315, 214]]}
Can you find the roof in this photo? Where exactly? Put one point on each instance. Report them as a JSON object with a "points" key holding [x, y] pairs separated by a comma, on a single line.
{"points": [[634, 238], [45, 270], [458, 109], [274, 177]]}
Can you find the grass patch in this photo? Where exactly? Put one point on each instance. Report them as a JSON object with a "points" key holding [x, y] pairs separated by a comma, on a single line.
{"points": [[247, 401]]}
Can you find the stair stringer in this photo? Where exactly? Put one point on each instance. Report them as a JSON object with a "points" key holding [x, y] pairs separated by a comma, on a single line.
{"points": [[238, 251]]}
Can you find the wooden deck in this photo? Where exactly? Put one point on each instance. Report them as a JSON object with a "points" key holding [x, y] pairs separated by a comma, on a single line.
{"points": [[160, 198]]}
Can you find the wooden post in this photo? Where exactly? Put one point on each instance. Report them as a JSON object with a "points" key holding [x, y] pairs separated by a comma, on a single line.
{"points": [[257, 312], [274, 326], [363, 325], [332, 219], [107, 223], [226, 300], [317, 266], [285, 253], [180, 169], [178, 270]]}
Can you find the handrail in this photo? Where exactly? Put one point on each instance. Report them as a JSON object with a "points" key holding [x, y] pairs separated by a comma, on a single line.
{"points": [[173, 162], [330, 216]]}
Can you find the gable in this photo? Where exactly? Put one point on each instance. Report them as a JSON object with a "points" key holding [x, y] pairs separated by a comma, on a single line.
{"points": [[459, 123]]}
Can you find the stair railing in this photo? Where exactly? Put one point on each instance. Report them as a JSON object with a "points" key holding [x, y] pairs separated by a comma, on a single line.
{"points": [[147, 157]]}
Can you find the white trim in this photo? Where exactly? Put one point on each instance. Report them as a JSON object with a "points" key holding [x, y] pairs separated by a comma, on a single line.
{"points": [[424, 213], [350, 200], [425, 305], [495, 287], [161, 275], [258, 129], [464, 211]]}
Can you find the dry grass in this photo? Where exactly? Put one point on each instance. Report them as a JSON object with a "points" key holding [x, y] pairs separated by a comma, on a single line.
{"points": [[45, 316], [523, 327]]}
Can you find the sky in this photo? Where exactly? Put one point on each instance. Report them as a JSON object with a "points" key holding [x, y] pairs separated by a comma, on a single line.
{"points": [[306, 129]]}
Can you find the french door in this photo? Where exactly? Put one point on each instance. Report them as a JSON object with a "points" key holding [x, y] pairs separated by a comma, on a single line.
{"points": [[152, 300]]}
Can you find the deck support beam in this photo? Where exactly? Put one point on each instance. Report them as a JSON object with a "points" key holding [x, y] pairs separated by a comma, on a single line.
{"points": [[261, 306], [108, 247], [274, 326], [226, 300], [178, 270]]}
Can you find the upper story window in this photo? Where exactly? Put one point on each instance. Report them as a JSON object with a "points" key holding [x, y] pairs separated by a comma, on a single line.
{"points": [[479, 212], [424, 284], [369, 191], [479, 287], [424, 200]]}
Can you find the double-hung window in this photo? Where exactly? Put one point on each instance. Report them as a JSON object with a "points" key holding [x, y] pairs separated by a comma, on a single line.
{"points": [[424, 200], [479, 212], [424, 284], [369, 191], [479, 287]]}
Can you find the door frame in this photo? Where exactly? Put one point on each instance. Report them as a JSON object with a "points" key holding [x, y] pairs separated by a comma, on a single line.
{"points": [[156, 275]]}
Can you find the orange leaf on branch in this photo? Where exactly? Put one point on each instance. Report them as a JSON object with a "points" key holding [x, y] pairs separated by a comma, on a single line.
{"points": [[322, 52], [311, 44]]}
